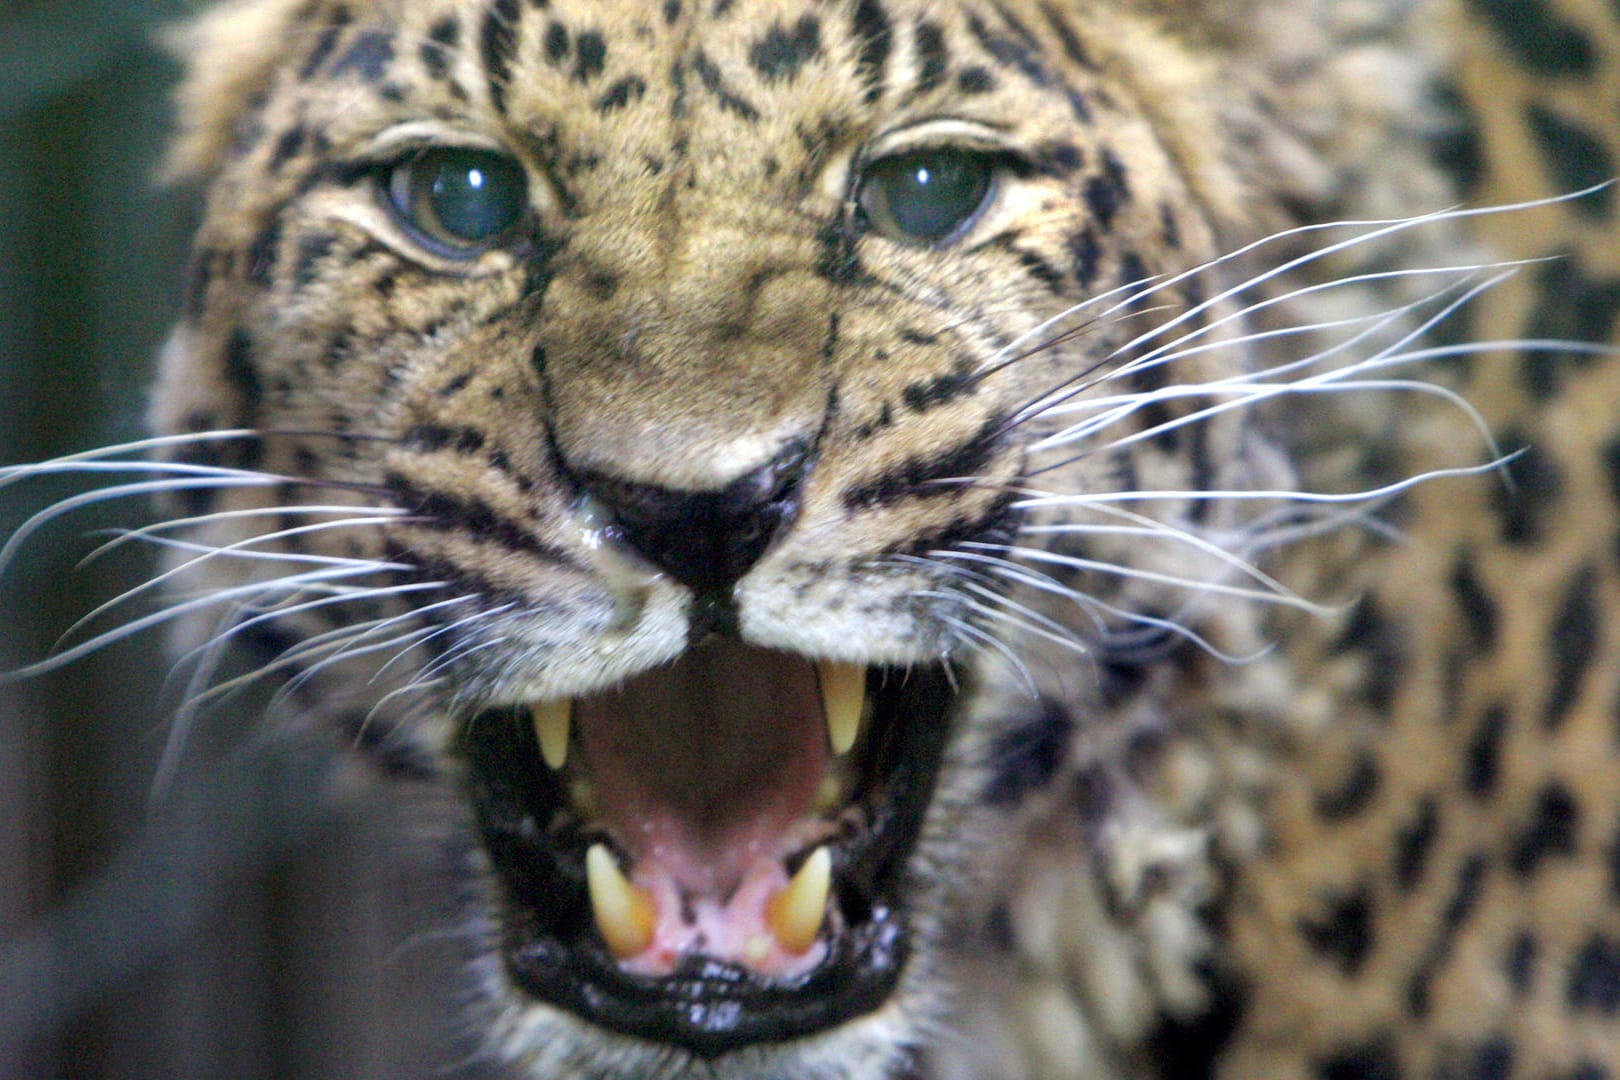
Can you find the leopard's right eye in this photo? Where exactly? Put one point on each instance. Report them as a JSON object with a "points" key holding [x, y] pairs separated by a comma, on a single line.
{"points": [[459, 202]]}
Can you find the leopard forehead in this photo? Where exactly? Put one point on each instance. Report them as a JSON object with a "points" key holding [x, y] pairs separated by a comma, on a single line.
{"points": [[615, 93]]}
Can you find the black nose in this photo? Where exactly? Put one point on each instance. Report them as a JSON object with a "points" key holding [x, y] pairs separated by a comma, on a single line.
{"points": [[707, 539]]}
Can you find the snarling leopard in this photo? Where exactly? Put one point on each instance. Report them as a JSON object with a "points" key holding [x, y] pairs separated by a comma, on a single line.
{"points": [[956, 540]]}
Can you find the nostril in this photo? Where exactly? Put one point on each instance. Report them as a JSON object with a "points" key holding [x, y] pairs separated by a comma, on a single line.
{"points": [[708, 540]]}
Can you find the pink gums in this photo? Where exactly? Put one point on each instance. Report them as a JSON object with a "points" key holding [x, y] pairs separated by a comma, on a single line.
{"points": [[706, 771]]}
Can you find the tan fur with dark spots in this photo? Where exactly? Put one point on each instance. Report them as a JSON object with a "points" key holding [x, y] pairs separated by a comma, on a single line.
{"points": [[1491, 938], [696, 303]]}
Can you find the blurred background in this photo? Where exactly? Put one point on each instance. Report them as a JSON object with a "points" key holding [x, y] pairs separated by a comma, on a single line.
{"points": [[246, 921]]}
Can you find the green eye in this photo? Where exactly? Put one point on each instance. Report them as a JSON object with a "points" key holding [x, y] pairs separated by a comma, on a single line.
{"points": [[926, 196], [463, 202]]}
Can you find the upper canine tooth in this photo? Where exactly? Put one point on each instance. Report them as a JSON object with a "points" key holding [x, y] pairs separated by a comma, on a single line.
{"points": [[795, 914], [551, 723], [843, 698], [624, 914]]}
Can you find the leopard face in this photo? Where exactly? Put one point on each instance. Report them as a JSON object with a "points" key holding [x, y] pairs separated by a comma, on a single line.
{"points": [[700, 433]]}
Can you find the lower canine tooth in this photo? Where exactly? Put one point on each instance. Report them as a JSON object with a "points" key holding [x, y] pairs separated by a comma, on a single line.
{"points": [[843, 698], [551, 723], [796, 913], [624, 914]]}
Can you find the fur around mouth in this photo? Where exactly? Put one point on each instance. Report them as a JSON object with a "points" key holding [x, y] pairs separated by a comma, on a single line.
{"points": [[698, 857]]}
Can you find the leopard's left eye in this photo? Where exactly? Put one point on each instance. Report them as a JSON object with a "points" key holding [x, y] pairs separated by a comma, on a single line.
{"points": [[928, 196], [462, 202]]}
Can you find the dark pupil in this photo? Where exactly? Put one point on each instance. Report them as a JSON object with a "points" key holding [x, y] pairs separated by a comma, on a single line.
{"points": [[928, 194], [473, 196]]}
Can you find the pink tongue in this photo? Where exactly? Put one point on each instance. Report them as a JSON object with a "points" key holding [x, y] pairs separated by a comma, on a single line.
{"points": [[702, 766]]}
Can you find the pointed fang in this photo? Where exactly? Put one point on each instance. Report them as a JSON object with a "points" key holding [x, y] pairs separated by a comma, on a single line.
{"points": [[796, 913], [552, 720], [843, 699], [624, 914]]}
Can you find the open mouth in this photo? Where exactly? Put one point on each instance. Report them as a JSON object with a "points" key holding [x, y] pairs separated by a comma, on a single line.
{"points": [[714, 854]]}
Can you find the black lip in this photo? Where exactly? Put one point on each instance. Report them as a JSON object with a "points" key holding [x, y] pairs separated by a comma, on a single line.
{"points": [[708, 1007]]}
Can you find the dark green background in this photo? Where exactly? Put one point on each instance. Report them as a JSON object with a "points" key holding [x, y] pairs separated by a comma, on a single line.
{"points": [[244, 925]]}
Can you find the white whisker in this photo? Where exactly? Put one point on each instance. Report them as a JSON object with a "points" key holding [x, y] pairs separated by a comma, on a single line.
{"points": [[169, 614], [997, 605], [126, 536], [180, 724], [1070, 395], [323, 644], [1266, 494], [459, 653], [1188, 634], [1132, 573], [350, 649], [415, 686], [1245, 390], [1246, 396], [448, 628], [239, 548], [122, 491], [283, 612], [987, 642], [989, 567], [1467, 273], [1377, 230], [11, 474], [1148, 528], [404, 643]]}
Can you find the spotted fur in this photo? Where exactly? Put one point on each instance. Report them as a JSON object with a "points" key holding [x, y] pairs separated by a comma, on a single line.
{"points": [[1236, 782], [1483, 944]]}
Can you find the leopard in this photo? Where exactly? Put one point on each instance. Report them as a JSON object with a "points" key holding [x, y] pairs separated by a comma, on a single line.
{"points": [[916, 540]]}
